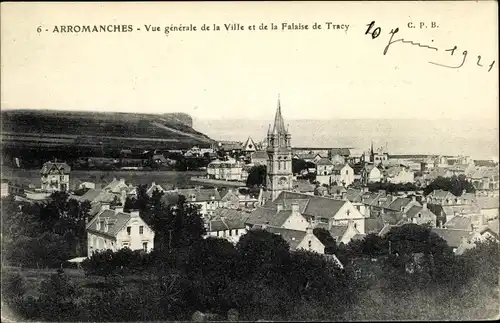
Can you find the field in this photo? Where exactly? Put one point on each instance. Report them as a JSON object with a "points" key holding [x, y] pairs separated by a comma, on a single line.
{"points": [[164, 178]]}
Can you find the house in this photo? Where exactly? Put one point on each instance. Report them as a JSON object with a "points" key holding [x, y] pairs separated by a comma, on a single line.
{"points": [[297, 239], [370, 174], [228, 170], [342, 174], [399, 175], [280, 215], [259, 157], [421, 215], [159, 159], [234, 199], [485, 178], [208, 199], [230, 146], [337, 192], [489, 206], [308, 157], [458, 240], [55, 177], [314, 209], [338, 159], [491, 230], [324, 167], [114, 229], [441, 197], [344, 233], [119, 187], [249, 146], [153, 188], [227, 224]]}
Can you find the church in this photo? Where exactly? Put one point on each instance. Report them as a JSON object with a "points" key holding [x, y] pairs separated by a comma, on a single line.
{"points": [[279, 150]]}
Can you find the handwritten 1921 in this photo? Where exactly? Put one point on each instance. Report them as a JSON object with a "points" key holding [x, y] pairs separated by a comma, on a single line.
{"points": [[375, 33]]}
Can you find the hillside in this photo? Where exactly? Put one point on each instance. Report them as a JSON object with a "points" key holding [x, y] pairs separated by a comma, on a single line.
{"points": [[49, 128]]}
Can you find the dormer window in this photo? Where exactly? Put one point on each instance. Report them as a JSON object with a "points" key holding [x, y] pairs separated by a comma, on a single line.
{"points": [[106, 227]]}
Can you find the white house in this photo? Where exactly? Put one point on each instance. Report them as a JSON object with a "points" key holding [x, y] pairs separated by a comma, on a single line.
{"points": [[342, 174], [297, 211], [371, 174], [55, 177], [114, 229], [226, 224]]}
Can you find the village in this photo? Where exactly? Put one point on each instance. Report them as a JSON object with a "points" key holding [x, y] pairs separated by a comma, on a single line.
{"points": [[304, 189]]}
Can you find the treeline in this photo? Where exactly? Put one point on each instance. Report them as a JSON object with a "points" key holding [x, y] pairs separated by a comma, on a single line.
{"points": [[392, 187]]}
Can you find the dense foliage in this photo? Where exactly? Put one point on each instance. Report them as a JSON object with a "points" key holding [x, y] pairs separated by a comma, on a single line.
{"points": [[454, 184], [257, 176], [45, 234], [391, 187]]}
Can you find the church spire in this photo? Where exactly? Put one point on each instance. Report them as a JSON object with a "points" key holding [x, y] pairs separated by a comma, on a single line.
{"points": [[279, 124]]}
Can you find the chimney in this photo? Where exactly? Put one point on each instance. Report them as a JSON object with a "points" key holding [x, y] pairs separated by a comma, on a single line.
{"points": [[153, 184], [365, 189], [463, 192], [122, 180], [279, 207], [424, 205], [309, 230], [413, 198], [344, 196], [134, 213], [295, 207], [104, 206], [118, 209]]}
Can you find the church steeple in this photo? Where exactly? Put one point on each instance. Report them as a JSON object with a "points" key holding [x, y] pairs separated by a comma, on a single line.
{"points": [[279, 150], [279, 124]]}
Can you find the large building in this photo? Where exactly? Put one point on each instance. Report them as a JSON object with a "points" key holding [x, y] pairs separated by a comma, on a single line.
{"points": [[279, 149], [55, 177]]}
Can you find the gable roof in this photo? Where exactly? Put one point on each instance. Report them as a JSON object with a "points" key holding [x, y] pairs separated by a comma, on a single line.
{"points": [[451, 236], [200, 194], [160, 158], [317, 206], [249, 145], [324, 162], [55, 168], [416, 209], [399, 203], [116, 220], [292, 237], [97, 195], [337, 231], [374, 225], [441, 194], [459, 223]]}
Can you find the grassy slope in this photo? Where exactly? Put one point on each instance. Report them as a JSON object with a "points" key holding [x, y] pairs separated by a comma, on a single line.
{"points": [[83, 127]]}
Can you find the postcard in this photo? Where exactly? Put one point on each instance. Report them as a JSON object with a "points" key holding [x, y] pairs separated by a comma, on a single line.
{"points": [[249, 161]]}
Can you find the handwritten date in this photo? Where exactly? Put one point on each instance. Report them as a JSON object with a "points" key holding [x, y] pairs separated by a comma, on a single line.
{"points": [[375, 33]]}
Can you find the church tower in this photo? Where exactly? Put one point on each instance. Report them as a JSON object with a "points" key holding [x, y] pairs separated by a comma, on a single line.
{"points": [[279, 151]]}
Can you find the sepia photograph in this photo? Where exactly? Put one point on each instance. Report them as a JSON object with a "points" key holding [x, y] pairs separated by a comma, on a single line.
{"points": [[270, 161]]}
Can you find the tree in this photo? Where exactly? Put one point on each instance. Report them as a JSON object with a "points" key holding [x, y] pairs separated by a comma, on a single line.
{"points": [[257, 176], [455, 184], [298, 165], [326, 239]]}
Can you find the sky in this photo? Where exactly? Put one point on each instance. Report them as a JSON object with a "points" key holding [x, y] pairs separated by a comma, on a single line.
{"points": [[319, 74]]}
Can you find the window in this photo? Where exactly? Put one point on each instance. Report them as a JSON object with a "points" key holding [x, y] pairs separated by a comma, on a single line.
{"points": [[125, 245], [141, 229], [310, 244], [230, 233], [217, 233], [106, 227], [347, 172], [236, 232], [129, 229], [279, 164], [61, 178], [145, 246]]}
